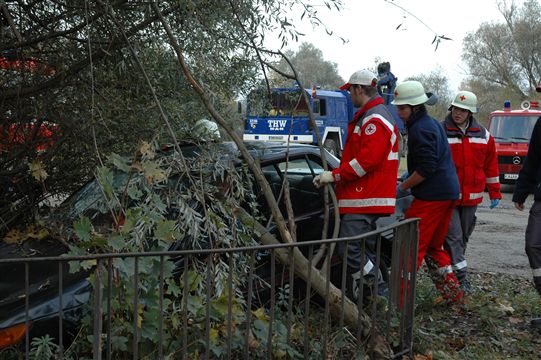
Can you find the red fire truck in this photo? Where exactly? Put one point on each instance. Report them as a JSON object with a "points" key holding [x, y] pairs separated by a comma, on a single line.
{"points": [[34, 134], [512, 130]]}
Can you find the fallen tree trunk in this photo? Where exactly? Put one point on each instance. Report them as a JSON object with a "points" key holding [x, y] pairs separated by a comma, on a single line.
{"points": [[379, 347]]}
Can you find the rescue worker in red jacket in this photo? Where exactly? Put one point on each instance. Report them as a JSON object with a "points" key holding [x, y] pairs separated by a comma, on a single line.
{"points": [[474, 154], [366, 179], [433, 183]]}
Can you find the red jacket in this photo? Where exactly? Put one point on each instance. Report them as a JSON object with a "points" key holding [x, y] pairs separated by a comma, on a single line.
{"points": [[474, 155], [366, 178]]}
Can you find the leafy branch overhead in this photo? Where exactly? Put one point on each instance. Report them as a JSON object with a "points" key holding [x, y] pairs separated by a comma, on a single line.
{"points": [[72, 68], [437, 38]]}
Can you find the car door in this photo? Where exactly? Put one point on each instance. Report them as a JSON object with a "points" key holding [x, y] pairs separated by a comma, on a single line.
{"points": [[306, 201]]}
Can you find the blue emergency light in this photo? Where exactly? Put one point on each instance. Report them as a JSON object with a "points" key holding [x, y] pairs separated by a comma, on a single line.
{"points": [[507, 105]]}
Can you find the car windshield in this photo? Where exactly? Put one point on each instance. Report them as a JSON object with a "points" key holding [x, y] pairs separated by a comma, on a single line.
{"points": [[512, 128], [279, 103]]}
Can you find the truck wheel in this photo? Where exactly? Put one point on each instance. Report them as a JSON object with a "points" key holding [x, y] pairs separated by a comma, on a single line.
{"points": [[331, 146]]}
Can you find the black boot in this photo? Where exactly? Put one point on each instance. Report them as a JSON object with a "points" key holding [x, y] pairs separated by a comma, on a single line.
{"points": [[353, 283], [465, 286], [536, 323], [462, 277]]}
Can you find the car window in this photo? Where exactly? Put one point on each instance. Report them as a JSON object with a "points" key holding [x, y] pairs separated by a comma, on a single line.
{"points": [[305, 198], [300, 167]]}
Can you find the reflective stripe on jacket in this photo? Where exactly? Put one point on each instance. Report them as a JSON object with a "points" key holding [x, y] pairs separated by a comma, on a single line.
{"points": [[474, 155], [366, 178]]}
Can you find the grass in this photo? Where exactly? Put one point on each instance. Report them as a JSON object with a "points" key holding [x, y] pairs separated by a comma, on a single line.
{"points": [[494, 324]]}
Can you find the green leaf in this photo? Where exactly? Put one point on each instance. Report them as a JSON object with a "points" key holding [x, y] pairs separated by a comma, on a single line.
{"points": [[165, 230], [134, 193], [88, 264], [105, 178], [83, 228], [132, 216], [125, 266], [194, 280], [120, 162], [195, 304], [261, 330], [160, 205], [116, 242], [153, 172], [119, 343]]}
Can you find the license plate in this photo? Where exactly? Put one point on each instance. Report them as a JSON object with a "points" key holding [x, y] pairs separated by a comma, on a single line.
{"points": [[275, 137], [510, 176]]}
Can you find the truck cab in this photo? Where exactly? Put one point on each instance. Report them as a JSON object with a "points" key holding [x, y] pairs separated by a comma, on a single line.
{"points": [[512, 130], [283, 115]]}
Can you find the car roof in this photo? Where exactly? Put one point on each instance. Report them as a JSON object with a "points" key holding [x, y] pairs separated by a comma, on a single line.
{"points": [[265, 151]]}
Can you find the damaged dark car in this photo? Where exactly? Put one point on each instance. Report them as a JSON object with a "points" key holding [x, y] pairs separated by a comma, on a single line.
{"points": [[35, 295]]}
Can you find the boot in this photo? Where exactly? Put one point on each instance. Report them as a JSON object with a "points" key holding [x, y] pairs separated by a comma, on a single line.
{"points": [[353, 283], [462, 277], [466, 286], [450, 289], [536, 323], [357, 285]]}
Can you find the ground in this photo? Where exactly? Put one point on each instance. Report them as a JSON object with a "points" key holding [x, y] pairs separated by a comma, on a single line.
{"points": [[494, 323], [497, 244]]}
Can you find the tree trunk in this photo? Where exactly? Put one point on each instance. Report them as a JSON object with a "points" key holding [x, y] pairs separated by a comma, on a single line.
{"points": [[379, 347]]}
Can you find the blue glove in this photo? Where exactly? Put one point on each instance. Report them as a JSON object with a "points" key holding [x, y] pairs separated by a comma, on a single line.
{"points": [[404, 176], [494, 203], [401, 193]]}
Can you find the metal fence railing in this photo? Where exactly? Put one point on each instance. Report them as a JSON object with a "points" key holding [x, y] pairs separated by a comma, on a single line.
{"points": [[276, 307]]}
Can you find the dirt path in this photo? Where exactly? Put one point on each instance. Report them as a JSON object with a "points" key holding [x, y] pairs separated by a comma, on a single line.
{"points": [[497, 243]]}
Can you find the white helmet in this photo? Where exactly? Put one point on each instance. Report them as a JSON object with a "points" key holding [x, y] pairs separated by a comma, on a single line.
{"points": [[409, 93], [206, 129], [361, 77], [465, 100]]}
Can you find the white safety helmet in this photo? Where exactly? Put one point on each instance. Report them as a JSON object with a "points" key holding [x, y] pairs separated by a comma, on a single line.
{"points": [[409, 93], [361, 77], [206, 129], [465, 100]]}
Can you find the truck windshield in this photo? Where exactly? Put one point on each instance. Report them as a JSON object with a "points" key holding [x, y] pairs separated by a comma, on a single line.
{"points": [[279, 103], [512, 128]]}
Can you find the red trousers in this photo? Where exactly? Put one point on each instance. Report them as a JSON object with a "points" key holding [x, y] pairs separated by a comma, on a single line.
{"points": [[435, 217], [434, 220]]}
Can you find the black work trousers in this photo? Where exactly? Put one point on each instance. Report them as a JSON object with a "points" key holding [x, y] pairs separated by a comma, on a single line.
{"points": [[533, 243]]}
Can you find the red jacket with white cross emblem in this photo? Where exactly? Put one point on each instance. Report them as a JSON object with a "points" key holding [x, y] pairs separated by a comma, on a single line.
{"points": [[366, 178], [474, 155]]}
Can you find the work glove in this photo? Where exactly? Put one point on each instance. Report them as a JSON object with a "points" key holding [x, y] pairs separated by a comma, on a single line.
{"points": [[325, 177], [494, 203], [401, 193]]}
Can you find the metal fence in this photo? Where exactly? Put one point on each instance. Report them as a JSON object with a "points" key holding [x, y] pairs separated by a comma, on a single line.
{"points": [[291, 321]]}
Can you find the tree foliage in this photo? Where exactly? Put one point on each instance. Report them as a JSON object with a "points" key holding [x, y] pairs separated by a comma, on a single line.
{"points": [[312, 69], [436, 82], [504, 58], [90, 84], [102, 73]]}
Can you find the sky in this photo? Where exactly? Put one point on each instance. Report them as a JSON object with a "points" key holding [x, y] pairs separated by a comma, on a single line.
{"points": [[370, 28]]}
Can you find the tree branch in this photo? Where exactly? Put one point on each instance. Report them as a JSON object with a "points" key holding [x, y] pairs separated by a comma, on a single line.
{"points": [[10, 21], [61, 76]]}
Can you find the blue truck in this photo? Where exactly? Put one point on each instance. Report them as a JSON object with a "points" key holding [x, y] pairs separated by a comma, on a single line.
{"points": [[282, 115]]}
